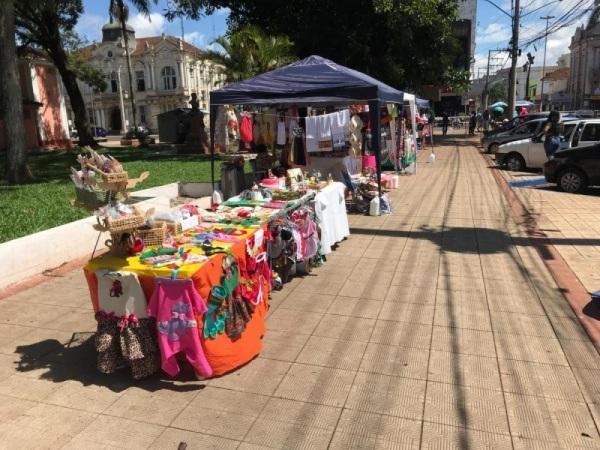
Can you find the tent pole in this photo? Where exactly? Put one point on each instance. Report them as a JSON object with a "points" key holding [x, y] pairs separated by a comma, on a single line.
{"points": [[375, 112], [213, 120]]}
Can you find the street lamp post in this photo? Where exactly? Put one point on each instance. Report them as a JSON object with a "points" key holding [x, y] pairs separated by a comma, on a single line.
{"points": [[123, 127], [547, 19]]}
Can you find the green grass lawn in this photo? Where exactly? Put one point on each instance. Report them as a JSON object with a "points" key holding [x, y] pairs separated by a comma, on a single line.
{"points": [[44, 203]]}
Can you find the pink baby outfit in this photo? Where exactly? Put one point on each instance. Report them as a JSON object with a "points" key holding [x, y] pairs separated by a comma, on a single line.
{"points": [[174, 303]]}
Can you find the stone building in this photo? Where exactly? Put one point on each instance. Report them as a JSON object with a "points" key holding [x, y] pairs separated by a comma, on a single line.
{"points": [[584, 81], [166, 70]]}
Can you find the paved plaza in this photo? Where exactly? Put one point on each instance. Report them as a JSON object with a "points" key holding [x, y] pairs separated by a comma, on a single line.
{"points": [[436, 327]]}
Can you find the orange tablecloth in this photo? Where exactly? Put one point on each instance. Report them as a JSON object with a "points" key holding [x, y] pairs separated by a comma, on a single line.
{"points": [[223, 354]]}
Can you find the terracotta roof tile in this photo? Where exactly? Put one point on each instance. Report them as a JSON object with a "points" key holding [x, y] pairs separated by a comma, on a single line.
{"points": [[560, 74]]}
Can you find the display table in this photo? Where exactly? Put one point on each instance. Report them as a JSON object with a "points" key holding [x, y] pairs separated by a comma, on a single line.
{"points": [[222, 353], [330, 209]]}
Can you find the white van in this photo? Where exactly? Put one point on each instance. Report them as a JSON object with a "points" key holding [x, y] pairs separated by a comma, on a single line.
{"points": [[529, 153]]}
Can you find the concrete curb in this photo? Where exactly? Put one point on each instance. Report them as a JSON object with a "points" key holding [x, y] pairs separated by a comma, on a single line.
{"points": [[573, 290]]}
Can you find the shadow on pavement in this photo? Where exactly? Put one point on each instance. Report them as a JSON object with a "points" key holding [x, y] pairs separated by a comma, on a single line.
{"points": [[76, 360]]}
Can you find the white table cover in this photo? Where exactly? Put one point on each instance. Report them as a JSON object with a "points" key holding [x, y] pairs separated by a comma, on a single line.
{"points": [[330, 208]]}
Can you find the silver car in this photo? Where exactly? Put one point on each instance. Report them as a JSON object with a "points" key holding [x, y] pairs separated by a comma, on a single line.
{"points": [[530, 153], [526, 130]]}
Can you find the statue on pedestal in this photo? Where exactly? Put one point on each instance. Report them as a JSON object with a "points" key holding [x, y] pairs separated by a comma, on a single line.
{"points": [[197, 136]]}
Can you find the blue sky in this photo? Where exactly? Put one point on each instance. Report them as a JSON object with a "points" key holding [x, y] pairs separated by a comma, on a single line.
{"points": [[493, 28], [200, 33]]}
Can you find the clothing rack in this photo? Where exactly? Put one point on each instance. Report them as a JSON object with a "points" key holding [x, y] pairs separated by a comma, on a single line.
{"points": [[299, 203]]}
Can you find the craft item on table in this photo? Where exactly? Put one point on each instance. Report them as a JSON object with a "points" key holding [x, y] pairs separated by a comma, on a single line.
{"points": [[340, 128], [126, 341], [276, 204], [174, 304], [120, 293], [281, 137], [239, 312], [296, 178], [270, 182]]}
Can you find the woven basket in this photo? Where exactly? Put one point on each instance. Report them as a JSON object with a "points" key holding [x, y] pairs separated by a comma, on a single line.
{"points": [[114, 182], [172, 227], [153, 236], [125, 224], [93, 198]]}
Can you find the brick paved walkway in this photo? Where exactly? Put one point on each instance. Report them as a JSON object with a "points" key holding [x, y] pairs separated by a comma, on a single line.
{"points": [[436, 327]]}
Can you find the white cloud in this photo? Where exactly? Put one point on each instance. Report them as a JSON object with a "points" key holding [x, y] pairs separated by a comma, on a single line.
{"points": [[493, 33], [222, 11], [90, 26], [144, 26], [196, 38]]}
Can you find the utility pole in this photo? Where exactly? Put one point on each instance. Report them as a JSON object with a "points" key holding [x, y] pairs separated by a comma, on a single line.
{"points": [[514, 50], [547, 19]]}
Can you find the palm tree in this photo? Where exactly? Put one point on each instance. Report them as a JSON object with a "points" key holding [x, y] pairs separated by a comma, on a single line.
{"points": [[117, 9], [249, 51]]}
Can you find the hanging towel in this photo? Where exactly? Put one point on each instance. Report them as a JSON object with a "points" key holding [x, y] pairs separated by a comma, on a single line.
{"points": [[221, 132], [339, 128], [324, 125], [246, 129], [312, 138]]}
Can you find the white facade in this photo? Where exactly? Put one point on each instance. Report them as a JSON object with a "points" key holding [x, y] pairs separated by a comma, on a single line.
{"points": [[165, 72]]}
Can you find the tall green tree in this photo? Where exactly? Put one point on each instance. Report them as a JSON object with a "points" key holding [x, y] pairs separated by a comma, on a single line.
{"points": [[249, 51], [47, 25], [406, 43], [11, 102]]}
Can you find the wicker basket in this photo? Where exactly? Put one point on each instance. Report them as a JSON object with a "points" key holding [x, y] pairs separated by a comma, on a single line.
{"points": [[114, 182], [172, 227], [153, 236], [125, 224], [93, 198]]}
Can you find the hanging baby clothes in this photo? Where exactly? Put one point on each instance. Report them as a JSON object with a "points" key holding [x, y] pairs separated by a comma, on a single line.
{"points": [[120, 293], [246, 130], [221, 132], [299, 153], [256, 129], [175, 303], [281, 140], [269, 140], [125, 336]]}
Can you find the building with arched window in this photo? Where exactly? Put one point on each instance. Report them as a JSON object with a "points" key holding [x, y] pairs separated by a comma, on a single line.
{"points": [[165, 72]]}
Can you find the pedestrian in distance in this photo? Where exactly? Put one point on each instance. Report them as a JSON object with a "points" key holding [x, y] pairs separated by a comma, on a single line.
{"points": [[445, 123], [472, 123], [552, 133], [486, 120]]}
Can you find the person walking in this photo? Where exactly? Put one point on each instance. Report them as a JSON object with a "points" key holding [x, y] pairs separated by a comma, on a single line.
{"points": [[445, 123], [552, 133], [472, 123], [486, 120]]}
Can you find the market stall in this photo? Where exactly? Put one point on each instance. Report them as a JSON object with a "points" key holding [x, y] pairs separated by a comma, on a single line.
{"points": [[193, 283], [313, 81]]}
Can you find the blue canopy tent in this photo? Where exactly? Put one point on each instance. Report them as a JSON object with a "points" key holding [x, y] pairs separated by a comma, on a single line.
{"points": [[311, 81]]}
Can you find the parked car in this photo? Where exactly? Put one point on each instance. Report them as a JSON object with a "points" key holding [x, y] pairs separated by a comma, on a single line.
{"points": [[529, 129], [575, 169], [530, 153], [99, 132]]}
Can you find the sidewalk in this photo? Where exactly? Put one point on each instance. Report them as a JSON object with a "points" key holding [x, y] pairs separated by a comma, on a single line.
{"points": [[436, 327]]}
